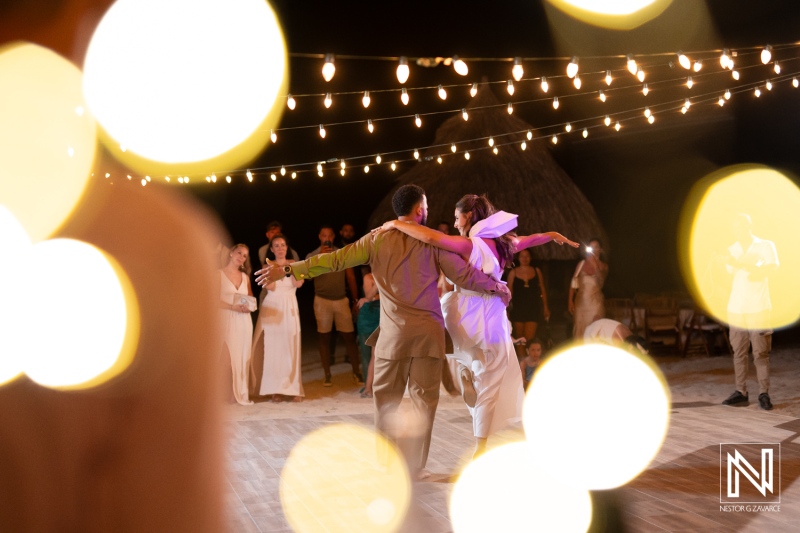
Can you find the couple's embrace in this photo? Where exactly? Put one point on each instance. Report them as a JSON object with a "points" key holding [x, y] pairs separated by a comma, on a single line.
{"points": [[410, 348]]}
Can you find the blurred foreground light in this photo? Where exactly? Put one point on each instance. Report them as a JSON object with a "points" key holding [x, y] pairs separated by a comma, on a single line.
{"points": [[772, 201], [613, 14], [624, 441], [205, 49], [503, 490], [346, 477], [47, 142]]}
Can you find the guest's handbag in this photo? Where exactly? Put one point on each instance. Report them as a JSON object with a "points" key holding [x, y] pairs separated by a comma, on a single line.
{"points": [[243, 299]]}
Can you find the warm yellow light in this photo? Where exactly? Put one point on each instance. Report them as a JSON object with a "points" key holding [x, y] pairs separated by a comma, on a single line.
{"points": [[795, 83], [273, 136], [491, 141], [228, 179], [249, 176], [523, 145], [572, 68], [529, 135], [545, 85], [684, 61], [404, 96], [727, 94], [555, 139], [647, 112], [366, 169], [645, 90], [342, 164], [442, 93], [721, 101], [617, 14], [273, 177], [684, 109], [417, 121], [585, 133], [12, 237], [290, 102], [651, 119], [453, 147], [617, 126], [517, 70], [607, 120], [322, 132], [510, 87], [366, 99], [460, 67], [555, 102], [328, 100], [630, 64], [416, 154], [464, 114], [328, 69], [602, 96], [698, 65], [294, 175], [402, 70], [495, 150], [378, 159], [725, 59], [439, 160], [609, 79], [735, 75], [370, 126], [510, 108], [689, 82], [516, 484], [624, 441], [206, 46], [768, 85], [473, 90], [466, 156], [283, 171], [41, 105], [757, 92], [766, 54], [568, 127], [777, 68], [640, 74], [577, 82], [707, 233], [394, 165]]}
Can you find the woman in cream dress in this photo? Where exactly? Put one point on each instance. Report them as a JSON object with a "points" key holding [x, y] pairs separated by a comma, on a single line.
{"points": [[586, 301], [237, 328]]}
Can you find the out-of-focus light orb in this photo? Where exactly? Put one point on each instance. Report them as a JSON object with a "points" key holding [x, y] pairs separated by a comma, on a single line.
{"points": [[181, 81], [613, 14], [772, 200], [348, 478], [47, 142], [627, 428], [503, 490]]}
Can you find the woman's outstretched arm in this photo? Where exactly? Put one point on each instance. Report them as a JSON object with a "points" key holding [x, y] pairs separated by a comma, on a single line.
{"points": [[454, 243], [537, 239]]}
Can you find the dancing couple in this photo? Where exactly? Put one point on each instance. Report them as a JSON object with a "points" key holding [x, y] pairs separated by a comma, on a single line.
{"points": [[410, 348]]}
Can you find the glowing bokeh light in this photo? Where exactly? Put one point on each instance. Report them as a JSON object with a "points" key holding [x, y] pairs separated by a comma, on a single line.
{"points": [[47, 142], [624, 441], [182, 81], [503, 490], [772, 201], [346, 477], [613, 14]]}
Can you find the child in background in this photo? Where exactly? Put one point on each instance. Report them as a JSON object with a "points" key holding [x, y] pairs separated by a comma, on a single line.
{"points": [[529, 364]]}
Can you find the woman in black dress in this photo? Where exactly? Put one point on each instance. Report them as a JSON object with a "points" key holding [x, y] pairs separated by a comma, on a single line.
{"points": [[529, 303]]}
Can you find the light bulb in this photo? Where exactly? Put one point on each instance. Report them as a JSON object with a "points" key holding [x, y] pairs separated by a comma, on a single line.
{"points": [[394, 165], [727, 94], [721, 101], [370, 127], [180, 179], [404, 96], [651, 119], [555, 102], [689, 82], [491, 141], [647, 112], [607, 120], [166, 178], [208, 179], [108, 175], [516, 70], [572, 68], [366, 169], [640, 74], [290, 102], [724, 59], [464, 114], [766, 54], [577, 82], [683, 110], [568, 127], [697, 65], [609, 79], [768, 85], [645, 90], [283, 171], [453, 147], [147, 178], [602, 96], [687, 104], [617, 126], [144, 182], [294, 175], [684, 61], [466, 156], [322, 131], [523, 145], [795, 83], [777, 68], [442, 93], [510, 108], [460, 67], [365, 100], [343, 164], [416, 154], [402, 70], [473, 90], [495, 150], [273, 136], [378, 159], [439, 160], [631, 64], [555, 139], [545, 85], [228, 179], [328, 69], [328, 100], [529, 135], [585, 133], [249, 176], [341, 172], [186, 179], [213, 178], [510, 87], [319, 167], [417, 121], [319, 173], [735, 74]]}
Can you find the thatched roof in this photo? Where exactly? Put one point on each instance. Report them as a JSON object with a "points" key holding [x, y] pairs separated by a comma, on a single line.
{"points": [[529, 183]]}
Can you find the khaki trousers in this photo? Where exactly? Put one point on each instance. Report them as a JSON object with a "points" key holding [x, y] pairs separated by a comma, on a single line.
{"points": [[410, 431], [761, 342]]}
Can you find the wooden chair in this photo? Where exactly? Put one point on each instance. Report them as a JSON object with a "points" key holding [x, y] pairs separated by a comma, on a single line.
{"points": [[661, 319], [708, 329], [621, 310]]}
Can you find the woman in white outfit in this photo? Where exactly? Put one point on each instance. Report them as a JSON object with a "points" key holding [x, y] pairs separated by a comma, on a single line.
{"points": [[477, 322], [237, 328]]}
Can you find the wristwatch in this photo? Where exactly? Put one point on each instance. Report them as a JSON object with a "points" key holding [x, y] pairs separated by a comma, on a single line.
{"points": [[287, 270]]}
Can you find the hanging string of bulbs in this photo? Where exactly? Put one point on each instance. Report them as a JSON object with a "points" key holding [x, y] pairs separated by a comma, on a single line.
{"points": [[727, 60]]}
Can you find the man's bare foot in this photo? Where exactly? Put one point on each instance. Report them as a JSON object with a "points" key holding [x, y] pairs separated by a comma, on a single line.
{"points": [[422, 474]]}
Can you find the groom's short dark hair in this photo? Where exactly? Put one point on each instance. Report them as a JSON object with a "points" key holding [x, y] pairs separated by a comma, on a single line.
{"points": [[405, 198]]}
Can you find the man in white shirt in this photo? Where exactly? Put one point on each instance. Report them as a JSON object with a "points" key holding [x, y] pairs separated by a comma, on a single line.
{"points": [[751, 260], [608, 331]]}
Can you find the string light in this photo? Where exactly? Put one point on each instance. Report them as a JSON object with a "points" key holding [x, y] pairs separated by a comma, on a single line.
{"points": [[617, 126], [341, 172], [228, 179], [370, 127], [453, 147], [602, 96], [213, 178], [529, 135], [572, 68], [466, 156], [495, 150], [366, 99], [585, 133], [516, 70], [757, 92], [766, 54], [725, 59], [328, 100], [322, 132], [273, 136], [609, 79], [577, 82], [727, 94], [144, 182], [491, 141], [473, 90], [687, 103], [249, 176], [328, 69], [394, 166], [460, 67], [684, 110], [129, 177], [721, 101], [651, 119], [439, 160], [404, 96], [319, 173], [343, 164], [555, 139], [417, 121], [147, 178], [523, 145], [568, 127], [607, 121], [698, 65], [631, 64], [208, 178], [416, 154], [378, 159], [402, 70], [735, 74], [366, 169], [795, 83], [283, 171], [647, 112], [777, 68], [166, 178], [684, 61], [290, 102], [768, 85], [645, 90], [464, 114], [180, 179], [319, 167], [442, 93], [510, 108], [294, 175], [510, 87], [689, 82], [555, 102], [640, 74], [545, 85]]}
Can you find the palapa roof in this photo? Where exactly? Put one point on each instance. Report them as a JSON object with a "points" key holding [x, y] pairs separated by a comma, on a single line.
{"points": [[527, 182]]}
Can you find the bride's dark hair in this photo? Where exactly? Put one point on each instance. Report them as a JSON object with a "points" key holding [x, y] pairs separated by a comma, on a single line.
{"points": [[481, 208]]}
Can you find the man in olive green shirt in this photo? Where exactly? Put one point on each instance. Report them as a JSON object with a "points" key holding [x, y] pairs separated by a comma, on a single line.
{"points": [[411, 346]]}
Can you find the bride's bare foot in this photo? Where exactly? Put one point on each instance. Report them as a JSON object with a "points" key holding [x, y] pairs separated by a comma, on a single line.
{"points": [[276, 398]]}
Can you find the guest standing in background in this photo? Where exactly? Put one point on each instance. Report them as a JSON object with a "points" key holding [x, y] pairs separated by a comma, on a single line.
{"points": [[585, 301], [276, 346], [369, 314], [237, 328], [528, 307]]}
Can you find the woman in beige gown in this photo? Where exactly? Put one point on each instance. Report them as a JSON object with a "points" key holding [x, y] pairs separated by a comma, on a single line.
{"points": [[237, 328], [586, 300]]}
